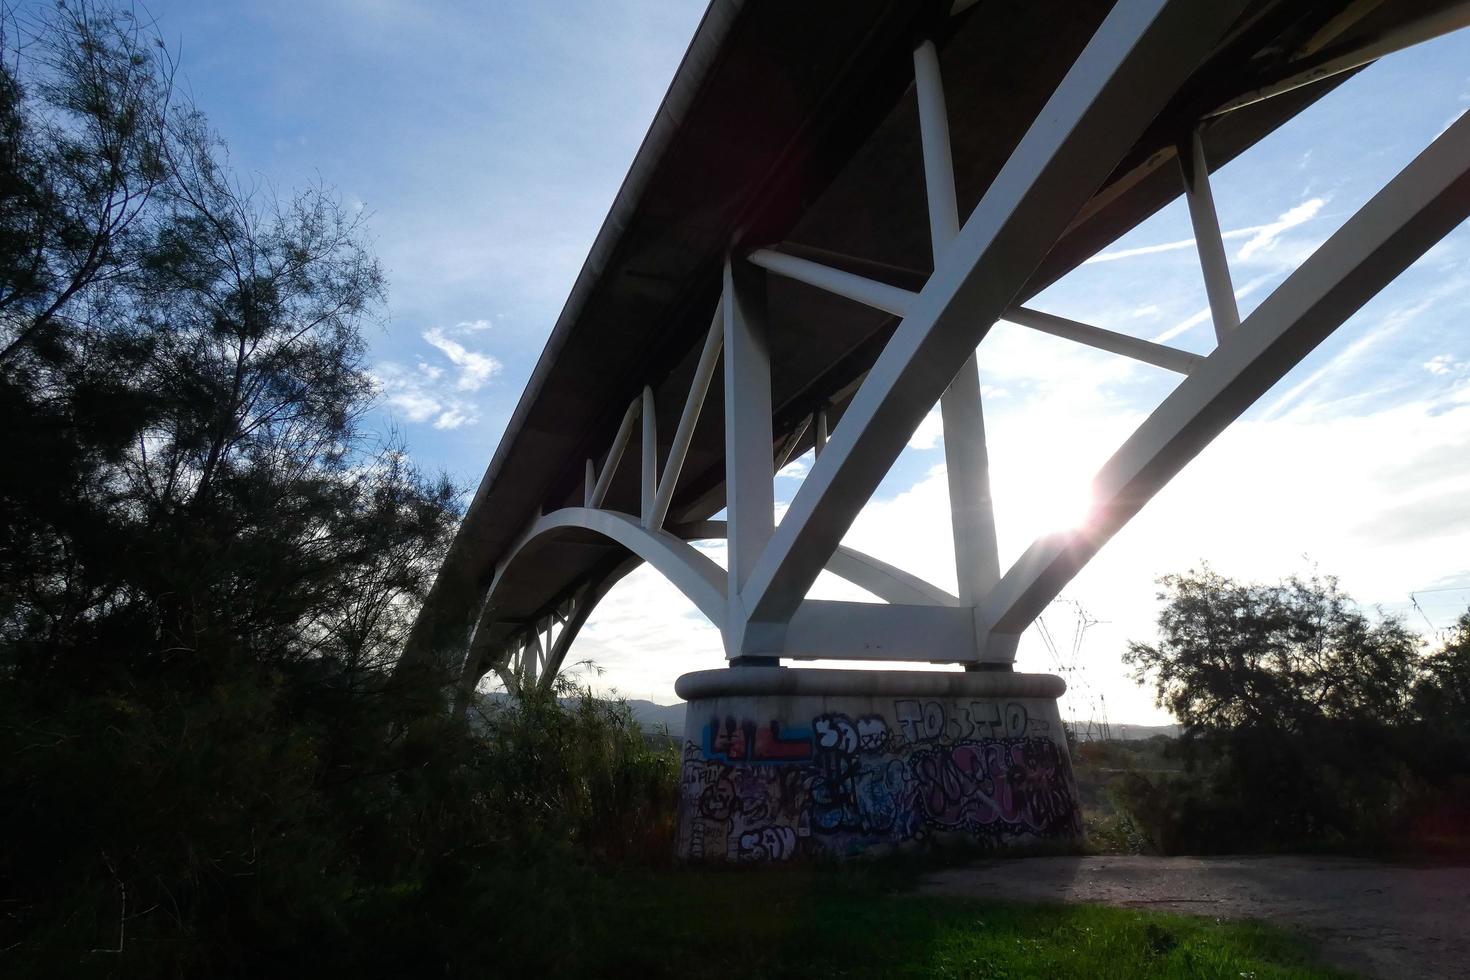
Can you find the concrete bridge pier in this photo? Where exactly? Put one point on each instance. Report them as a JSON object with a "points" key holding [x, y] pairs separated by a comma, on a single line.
{"points": [[781, 764]]}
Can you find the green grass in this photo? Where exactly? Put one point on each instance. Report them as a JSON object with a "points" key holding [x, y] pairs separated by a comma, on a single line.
{"points": [[841, 923]]}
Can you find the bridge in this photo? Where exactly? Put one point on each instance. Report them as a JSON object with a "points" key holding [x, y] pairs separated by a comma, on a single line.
{"points": [[833, 205]]}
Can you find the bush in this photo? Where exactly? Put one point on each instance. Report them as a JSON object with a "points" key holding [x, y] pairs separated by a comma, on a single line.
{"points": [[247, 829], [1339, 784]]}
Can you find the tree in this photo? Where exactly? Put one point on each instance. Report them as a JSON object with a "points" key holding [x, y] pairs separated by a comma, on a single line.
{"points": [[1277, 658], [207, 562], [208, 566], [1442, 695], [182, 369], [1295, 707]]}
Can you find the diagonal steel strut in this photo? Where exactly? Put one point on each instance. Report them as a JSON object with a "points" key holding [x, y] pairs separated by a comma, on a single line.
{"points": [[1426, 201], [1140, 55]]}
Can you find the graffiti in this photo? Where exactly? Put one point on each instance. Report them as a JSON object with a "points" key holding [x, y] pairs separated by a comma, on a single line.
{"points": [[1020, 783], [773, 792], [922, 721], [926, 721], [746, 740], [768, 844], [833, 732]]}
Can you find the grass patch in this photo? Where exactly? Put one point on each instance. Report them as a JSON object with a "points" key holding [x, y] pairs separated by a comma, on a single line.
{"points": [[841, 923]]}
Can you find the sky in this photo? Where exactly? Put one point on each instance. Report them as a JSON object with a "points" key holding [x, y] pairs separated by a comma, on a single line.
{"points": [[485, 143]]}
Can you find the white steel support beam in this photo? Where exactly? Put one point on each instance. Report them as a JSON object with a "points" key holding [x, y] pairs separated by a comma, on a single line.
{"points": [[1422, 204], [615, 454], [967, 460], [686, 567], [824, 628], [819, 437], [581, 607], [649, 481], [750, 496], [1140, 55], [1207, 240], [887, 582], [786, 453], [530, 661], [967, 468], [589, 483], [704, 372], [849, 285], [944, 211], [1159, 355]]}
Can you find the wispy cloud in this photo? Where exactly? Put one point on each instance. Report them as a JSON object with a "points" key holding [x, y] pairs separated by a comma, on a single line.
{"points": [[475, 368], [1267, 236], [1442, 364], [435, 393], [1262, 237], [1203, 316]]}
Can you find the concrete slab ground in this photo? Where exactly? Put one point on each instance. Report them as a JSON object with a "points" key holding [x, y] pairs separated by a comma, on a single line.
{"points": [[1380, 920]]}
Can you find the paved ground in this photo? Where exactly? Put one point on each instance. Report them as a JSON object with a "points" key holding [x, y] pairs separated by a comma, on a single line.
{"points": [[1381, 920]]}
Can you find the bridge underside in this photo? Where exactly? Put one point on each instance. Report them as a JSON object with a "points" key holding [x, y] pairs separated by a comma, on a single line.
{"points": [[834, 204]]}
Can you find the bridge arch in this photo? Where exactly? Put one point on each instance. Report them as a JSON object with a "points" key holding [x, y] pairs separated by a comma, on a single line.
{"points": [[536, 652]]}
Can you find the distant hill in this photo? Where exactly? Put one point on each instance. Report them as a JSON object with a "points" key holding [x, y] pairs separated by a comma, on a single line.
{"points": [[1134, 733], [659, 717]]}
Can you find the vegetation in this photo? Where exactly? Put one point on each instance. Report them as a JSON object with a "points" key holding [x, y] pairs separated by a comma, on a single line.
{"points": [[207, 567], [1306, 723], [853, 923]]}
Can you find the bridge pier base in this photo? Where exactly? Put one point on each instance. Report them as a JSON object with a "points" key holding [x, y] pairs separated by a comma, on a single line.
{"points": [[787, 763]]}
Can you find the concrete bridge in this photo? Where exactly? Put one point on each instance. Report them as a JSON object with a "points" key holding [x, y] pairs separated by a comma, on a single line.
{"points": [[834, 203]]}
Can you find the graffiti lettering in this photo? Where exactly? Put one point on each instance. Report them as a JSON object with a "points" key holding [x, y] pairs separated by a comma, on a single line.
{"points": [[745, 740], [926, 721], [768, 844], [921, 720]]}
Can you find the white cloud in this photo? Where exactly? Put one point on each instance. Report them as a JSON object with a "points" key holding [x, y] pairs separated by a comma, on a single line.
{"points": [[475, 368], [415, 405], [432, 392], [798, 468], [1442, 364], [416, 395], [1267, 236], [1204, 316], [1262, 237], [930, 433]]}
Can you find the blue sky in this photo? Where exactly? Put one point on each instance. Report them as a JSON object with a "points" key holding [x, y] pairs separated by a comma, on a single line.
{"points": [[486, 142]]}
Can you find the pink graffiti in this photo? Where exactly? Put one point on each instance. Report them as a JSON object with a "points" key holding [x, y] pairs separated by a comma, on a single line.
{"points": [[1020, 782]]}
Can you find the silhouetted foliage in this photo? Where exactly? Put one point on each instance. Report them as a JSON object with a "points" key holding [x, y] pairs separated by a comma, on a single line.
{"points": [[1306, 722], [207, 569], [1443, 692], [1278, 657]]}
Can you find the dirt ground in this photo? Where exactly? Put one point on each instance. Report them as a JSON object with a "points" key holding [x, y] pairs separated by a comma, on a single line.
{"points": [[1379, 920]]}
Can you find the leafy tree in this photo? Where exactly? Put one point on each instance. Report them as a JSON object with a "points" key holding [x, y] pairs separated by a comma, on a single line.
{"points": [[1272, 657], [182, 370], [1442, 695], [1297, 715]]}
